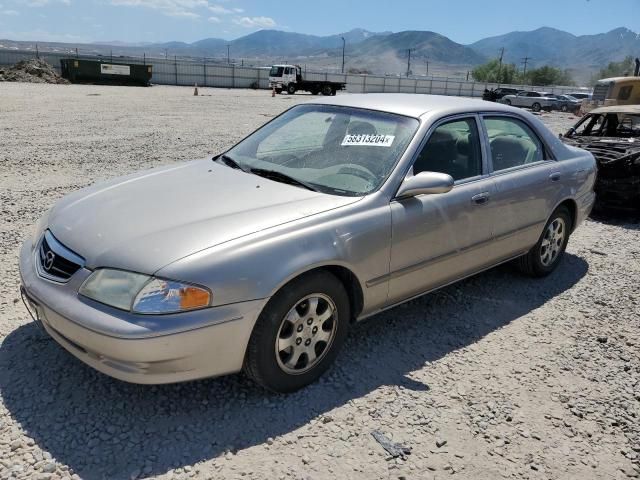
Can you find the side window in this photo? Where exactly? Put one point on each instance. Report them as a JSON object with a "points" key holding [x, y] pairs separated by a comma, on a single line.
{"points": [[625, 93], [512, 143], [453, 148]]}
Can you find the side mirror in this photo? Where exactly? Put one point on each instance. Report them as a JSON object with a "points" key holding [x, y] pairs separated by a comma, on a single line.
{"points": [[425, 183]]}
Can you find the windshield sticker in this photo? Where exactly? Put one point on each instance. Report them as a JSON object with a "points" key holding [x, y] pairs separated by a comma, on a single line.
{"points": [[368, 140]]}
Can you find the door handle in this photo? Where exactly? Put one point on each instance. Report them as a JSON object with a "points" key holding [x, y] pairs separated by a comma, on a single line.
{"points": [[555, 176], [481, 198]]}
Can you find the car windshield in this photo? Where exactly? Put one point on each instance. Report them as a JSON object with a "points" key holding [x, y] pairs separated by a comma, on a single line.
{"points": [[336, 150], [276, 71]]}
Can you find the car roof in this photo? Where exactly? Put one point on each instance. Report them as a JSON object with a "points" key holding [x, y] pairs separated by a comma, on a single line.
{"points": [[411, 104], [630, 109]]}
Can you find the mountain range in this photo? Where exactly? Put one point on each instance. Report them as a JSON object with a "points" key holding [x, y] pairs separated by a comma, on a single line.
{"points": [[388, 52]]}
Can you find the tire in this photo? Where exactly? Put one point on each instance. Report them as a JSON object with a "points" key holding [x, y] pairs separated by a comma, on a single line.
{"points": [[507, 101], [286, 329], [547, 254], [564, 108], [536, 107], [291, 89], [333, 92], [327, 90]]}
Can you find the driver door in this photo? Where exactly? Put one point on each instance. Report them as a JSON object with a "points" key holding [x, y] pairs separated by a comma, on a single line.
{"points": [[439, 238]]}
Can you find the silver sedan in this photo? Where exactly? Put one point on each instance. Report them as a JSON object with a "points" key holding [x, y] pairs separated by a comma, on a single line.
{"points": [[261, 258]]}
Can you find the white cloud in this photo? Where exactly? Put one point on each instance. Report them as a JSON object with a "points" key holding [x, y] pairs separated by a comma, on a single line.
{"points": [[42, 3], [214, 20], [172, 8], [254, 22], [220, 10], [10, 13]]}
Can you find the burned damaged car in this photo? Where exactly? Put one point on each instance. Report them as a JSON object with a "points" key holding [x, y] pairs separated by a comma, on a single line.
{"points": [[612, 135]]}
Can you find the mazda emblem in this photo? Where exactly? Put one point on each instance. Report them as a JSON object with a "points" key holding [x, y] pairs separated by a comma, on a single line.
{"points": [[48, 260]]}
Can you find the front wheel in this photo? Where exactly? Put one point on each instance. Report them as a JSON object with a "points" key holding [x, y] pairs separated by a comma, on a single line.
{"points": [[291, 89], [507, 101], [299, 333], [536, 107], [545, 256]]}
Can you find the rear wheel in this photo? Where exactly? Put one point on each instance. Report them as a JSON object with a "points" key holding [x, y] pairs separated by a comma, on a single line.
{"points": [[299, 333], [545, 256], [291, 89], [327, 90], [536, 107]]}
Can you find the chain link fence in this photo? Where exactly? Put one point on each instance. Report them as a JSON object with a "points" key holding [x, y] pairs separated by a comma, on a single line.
{"points": [[214, 73]]}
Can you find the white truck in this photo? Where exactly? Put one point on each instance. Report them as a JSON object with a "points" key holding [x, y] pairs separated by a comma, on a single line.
{"points": [[288, 78]]}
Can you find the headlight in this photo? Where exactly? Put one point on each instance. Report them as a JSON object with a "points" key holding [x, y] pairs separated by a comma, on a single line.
{"points": [[143, 294]]}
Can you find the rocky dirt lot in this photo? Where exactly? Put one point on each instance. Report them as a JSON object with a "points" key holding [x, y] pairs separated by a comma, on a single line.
{"points": [[499, 376]]}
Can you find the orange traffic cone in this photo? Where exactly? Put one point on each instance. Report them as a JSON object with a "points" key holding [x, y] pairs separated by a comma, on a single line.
{"points": [[195, 90]]}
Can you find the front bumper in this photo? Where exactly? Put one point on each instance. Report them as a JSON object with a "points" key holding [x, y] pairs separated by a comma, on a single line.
{"points": [[139, 348]]}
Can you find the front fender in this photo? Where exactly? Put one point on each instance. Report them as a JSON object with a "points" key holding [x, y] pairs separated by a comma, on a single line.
{"points": [[257, 266]]}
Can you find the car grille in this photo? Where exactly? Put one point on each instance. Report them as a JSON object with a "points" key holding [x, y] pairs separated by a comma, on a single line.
{"points": [[55, 261]]}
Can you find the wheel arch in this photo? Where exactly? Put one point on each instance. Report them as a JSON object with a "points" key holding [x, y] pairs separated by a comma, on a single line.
{"points": [[345, 276], [572, 206]]}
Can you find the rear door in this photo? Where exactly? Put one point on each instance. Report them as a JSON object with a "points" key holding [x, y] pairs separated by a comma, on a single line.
{"points": [[527, 179], [439, 238]]}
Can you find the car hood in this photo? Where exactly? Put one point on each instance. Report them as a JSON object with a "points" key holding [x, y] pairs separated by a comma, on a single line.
{"points": [[145, 221]]}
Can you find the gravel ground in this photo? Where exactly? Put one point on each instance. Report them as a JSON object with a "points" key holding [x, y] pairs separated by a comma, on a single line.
{"points": [[499, 376]]}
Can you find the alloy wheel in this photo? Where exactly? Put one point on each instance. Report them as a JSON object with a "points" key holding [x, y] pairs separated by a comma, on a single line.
{"points": [[552, 241], [306, 333]]}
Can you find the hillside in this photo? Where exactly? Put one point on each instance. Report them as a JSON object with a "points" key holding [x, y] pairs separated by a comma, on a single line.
{"points": [[550, 46]]}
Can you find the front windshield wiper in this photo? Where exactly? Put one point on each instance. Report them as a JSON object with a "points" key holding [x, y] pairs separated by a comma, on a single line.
{"points": [[230, 162], [281, 177]]}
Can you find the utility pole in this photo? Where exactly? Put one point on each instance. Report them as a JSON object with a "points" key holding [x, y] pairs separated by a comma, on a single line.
{"points": [[166, 54], [427, 62], [344, 44], [500, 64], [525, 61], [409, 62], [228, 53]]}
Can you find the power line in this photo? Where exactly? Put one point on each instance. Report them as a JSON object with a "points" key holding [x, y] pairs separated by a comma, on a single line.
{"points": [[525, 61], [500, 64]]}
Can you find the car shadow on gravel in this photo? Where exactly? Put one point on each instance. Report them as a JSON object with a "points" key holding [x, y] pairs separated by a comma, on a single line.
{"points": [[619, 218], [104, 428]]}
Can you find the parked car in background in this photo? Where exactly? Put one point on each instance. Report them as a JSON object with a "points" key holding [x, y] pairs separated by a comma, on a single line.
{"points": [[612, 134], [580, 95], [567, 103], [497, 93], [536, 101], [261, 258]]}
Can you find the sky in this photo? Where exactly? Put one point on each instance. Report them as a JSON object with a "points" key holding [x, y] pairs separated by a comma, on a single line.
{"points": [[464, 21]]}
